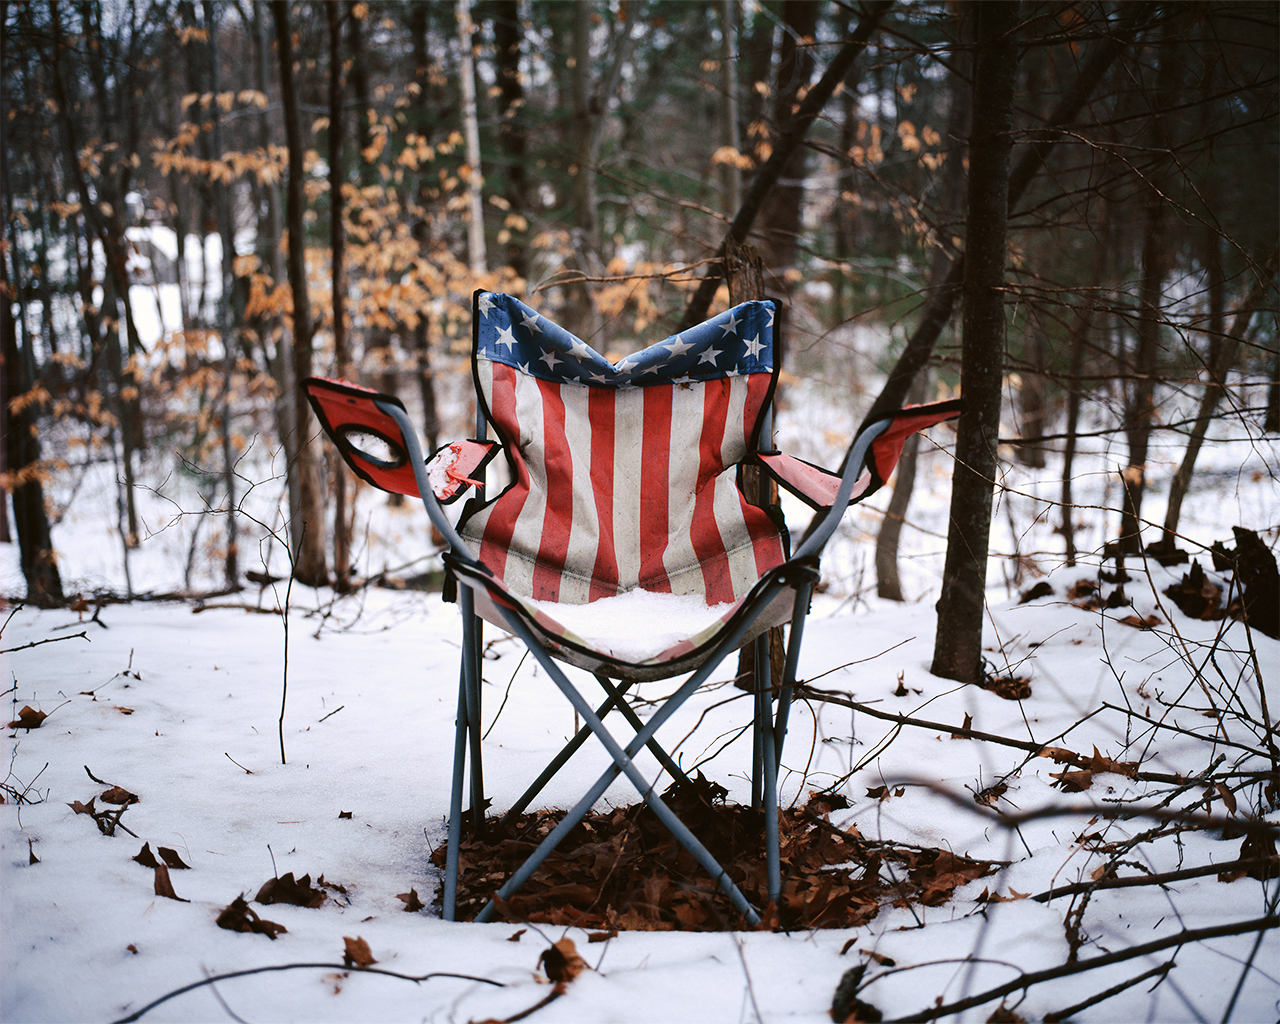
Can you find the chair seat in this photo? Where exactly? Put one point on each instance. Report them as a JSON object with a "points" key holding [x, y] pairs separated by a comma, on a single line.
{"points": [[637, 626], [640, 635]]}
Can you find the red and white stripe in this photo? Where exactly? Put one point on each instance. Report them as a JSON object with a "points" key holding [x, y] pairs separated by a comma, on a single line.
{"points": [[619, 488]]}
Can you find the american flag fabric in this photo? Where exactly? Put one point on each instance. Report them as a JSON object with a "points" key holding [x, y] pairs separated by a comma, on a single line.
{"points": [[624, 473]]}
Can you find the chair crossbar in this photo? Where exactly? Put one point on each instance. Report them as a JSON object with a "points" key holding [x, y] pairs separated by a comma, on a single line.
{"points": [[615, 699], [623, 764]]}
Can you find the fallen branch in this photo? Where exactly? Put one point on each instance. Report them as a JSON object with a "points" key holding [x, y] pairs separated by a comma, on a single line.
{"points": [[1026, 980], [1244, 864], [828, 697], [212, 978]]}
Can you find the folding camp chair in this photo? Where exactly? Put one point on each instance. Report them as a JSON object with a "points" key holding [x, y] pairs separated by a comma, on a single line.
{"points": [[626, 479]]}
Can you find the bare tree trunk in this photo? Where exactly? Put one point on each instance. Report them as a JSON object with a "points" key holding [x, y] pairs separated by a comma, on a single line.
{"points": [[730, 175], [308, 534], [511, 134], [945, 289], [20, 451], [888, 579], [781, 222], [471, 131], [1157, 262], [950, 206], [744, 274], [227, 317], [957, 652], [767, 176], [341, 535], [1215, 387]]}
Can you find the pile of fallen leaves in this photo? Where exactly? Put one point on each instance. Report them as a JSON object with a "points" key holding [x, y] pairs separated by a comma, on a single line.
{"points": [[621, 869]]}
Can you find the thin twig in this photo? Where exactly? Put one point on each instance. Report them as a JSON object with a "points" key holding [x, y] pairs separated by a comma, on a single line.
{"points": [[211, 978], [1114, 990], [49, 640], [236, 763]]}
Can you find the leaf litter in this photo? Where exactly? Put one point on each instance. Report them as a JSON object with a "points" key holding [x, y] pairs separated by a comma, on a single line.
{"points": [[621, 869]]}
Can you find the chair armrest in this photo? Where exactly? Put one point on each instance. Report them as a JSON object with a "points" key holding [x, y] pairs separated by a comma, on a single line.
{"points": [[815, 486], [455, 466], [869, 462], [374, 443]]}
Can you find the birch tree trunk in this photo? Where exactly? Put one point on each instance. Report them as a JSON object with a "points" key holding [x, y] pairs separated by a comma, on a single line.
{"points": [[471, 132], [309, 563]]}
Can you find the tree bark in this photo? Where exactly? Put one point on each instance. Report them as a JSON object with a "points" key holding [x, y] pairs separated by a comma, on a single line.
{"points": [[781, 222], [309, 564], [341, 534], [957, 652], [511, 134], [1157, 262], [471, 132], [888, 579], [767, 176]]}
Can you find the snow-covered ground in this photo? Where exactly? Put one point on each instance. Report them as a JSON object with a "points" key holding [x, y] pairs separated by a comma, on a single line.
{"points": [[179, 703]]}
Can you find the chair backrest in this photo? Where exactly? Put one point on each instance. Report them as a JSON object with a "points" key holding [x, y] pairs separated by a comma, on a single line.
{"points": [[624, 475]]}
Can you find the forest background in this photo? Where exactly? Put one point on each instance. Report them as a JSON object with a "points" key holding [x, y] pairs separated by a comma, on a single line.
{"points": [[326, 183]]}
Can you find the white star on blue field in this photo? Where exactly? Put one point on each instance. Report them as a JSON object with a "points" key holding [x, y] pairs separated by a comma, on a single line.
{"points": [[737, 341]]}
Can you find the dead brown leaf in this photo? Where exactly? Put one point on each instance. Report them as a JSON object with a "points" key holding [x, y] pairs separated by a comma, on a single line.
{"points": [[164, 887], [171, 858], [995, 897], [286, 889], [1007, 687], [80, 808], [238, 916], [146, 858], [1073, 782], [411, 900], [29, 718], [356, 952], [119, 795], [561, 961], [1141, 622]]}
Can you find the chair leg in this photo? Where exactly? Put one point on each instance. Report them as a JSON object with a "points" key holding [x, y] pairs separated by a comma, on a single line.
{"points": [[452, 853], [622, 763], [791, 666], [472, 639], [760, 663], [768, 781], [777, 735]]}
